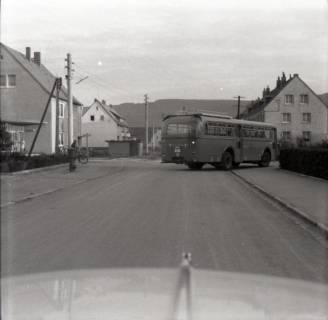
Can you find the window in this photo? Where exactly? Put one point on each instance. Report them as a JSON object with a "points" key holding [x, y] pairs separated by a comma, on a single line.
{"points": [[3, 81], [92, 118], [11, 80], [257, 133], [286, 135], [102, 117], [219, 129], [180, 129], [61, 111], [304, 98], [306, 117], [286, 117], [61, 138], [307, 135], [289, 99], [8, 81]]}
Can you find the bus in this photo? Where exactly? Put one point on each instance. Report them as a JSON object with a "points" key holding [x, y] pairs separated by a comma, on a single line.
{"points": [[196, 139]]}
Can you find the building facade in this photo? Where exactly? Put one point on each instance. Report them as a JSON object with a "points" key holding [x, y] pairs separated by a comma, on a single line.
{"points": [[297, 111], [103, 123], [25, 87]]}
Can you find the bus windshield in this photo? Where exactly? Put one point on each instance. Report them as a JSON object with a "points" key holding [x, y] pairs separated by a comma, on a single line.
{"points": [[181, 127]]}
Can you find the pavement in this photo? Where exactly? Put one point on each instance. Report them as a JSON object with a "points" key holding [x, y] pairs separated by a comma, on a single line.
{"points": [[28, 184], [304, 195], [141, 213]]}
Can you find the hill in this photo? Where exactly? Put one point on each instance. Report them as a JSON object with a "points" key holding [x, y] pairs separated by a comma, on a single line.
{"points": [[134, 113]]}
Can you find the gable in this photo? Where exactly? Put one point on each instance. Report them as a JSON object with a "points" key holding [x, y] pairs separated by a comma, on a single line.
{"points": [[97, 111], [24, 102], [295, 87], [39, 73]]}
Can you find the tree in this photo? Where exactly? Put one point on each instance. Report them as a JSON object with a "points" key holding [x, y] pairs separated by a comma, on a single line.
{"points": [[5, 138]]}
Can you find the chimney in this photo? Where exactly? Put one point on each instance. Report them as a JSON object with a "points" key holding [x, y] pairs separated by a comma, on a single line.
{"points": [[295, 74], [28, 53], [37, 58], [283, 79], [103, 102]]}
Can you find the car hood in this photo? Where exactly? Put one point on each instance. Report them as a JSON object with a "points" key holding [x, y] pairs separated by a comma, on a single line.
{"points": [[158, 294]]}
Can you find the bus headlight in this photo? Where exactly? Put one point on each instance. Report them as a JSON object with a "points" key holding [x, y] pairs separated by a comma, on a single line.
{"points": [[193, 142]]}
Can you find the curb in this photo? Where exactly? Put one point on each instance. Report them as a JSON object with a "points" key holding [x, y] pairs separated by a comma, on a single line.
{"points": [[47, 168], [286, 205]]}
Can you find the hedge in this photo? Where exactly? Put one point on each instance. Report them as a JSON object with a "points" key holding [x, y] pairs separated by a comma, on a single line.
{"points": [[309, 161], [17, 162]]}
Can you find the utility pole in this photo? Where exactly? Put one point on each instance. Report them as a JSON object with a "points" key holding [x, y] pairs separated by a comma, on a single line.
{"points": [[58, 87], [238, 112], [70, 98], [146, 121]]}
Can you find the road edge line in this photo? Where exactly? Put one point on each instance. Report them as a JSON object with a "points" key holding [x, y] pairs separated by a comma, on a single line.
{"points": [[285, 204], [40, 194], [28, 171]]}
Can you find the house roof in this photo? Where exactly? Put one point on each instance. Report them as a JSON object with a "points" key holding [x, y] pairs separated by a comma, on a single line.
{"points": [[260, 104], [324, 98], [39, 73], [119, 120]]}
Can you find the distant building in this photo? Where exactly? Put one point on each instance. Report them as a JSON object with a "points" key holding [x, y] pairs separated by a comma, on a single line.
{"points": [[103, 123], [155, 138], [294, 108], [25, 86]]}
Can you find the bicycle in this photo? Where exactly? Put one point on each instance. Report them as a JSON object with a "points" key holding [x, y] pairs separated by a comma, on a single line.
{"points": [[82, 155]]}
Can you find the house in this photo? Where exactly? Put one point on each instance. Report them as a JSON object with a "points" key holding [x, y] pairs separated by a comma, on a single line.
{"points": [[103, 123], [296, 110], [25, 87]]}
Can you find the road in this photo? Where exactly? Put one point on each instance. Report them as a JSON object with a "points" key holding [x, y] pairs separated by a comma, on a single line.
{"points": [[147, 214]]}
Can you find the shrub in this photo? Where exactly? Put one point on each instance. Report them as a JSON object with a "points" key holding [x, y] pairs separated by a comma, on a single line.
{"points": [[5, 137], [16, 161], [310, 161]]}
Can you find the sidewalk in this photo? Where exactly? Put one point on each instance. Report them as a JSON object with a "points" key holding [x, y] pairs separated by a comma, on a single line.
{"points": [[21, 186], [305, 195]]}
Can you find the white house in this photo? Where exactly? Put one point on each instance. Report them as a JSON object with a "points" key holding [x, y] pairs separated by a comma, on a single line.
{"points": [[296, 110], [103, 123]]}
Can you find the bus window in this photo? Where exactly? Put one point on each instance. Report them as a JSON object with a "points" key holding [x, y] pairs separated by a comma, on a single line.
{"points": [[218, 129], [180, 129]]}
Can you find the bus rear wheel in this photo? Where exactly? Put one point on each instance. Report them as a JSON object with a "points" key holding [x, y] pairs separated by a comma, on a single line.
{"points": [[195, 165], [227, 160], [265, 159]]}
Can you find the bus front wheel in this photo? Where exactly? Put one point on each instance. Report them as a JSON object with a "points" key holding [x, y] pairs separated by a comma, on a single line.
{"points": [[227, 160], [265, 159], [195, 165]]}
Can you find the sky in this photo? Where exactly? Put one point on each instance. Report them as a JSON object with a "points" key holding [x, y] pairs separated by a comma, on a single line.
{"points": [[188, 49]]}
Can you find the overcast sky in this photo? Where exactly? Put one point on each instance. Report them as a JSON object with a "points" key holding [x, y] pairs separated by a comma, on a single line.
{"points": [[174, 48]]}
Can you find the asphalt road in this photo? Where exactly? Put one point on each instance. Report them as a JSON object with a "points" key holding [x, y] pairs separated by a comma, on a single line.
{"points": [[150, 213]]}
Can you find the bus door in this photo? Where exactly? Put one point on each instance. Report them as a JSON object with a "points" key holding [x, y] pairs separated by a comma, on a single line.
{"points": [[246, 144], [239, 145]]}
